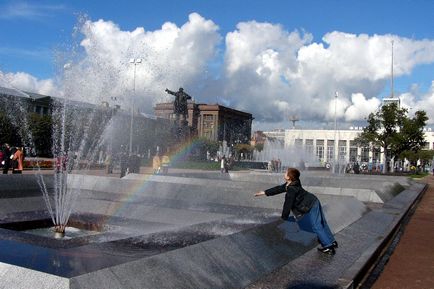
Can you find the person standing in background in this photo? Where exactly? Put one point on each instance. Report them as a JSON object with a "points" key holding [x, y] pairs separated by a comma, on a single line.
{"points": [[18, 160], [6, 158]]}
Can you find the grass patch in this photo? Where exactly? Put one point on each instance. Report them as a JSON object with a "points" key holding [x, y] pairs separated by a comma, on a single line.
{"points": [[198, 165], [418, 175]]}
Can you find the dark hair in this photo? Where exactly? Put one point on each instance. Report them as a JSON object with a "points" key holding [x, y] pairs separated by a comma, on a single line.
{"points": [[293, 174]]}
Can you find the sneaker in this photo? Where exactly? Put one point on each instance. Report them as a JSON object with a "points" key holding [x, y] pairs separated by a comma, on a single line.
{"points": [[335, 244], [327, 250]]}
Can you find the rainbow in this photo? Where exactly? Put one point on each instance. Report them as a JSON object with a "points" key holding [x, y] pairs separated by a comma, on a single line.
{"points": [[131, 193]]}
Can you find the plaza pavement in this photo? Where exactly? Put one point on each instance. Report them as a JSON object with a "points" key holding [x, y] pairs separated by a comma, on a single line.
{"points": [[411, 264]]}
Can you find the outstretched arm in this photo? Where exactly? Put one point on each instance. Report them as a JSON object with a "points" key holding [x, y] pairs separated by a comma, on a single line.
{"points": [[259, 194], [169, 92]]}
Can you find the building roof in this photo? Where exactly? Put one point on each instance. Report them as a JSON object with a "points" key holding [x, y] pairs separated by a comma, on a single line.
{"points": [[218, 107], [13, 92]]}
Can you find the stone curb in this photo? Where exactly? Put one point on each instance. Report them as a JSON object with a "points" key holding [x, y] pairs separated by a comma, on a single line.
{"points": [[352, 277]]}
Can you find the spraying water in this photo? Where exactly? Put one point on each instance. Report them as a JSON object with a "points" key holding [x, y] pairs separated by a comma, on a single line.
{"points": [[78, 135], [291, 156]]}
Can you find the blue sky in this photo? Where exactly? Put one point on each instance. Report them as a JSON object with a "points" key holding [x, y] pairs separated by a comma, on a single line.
{"points": [[32, 31]]}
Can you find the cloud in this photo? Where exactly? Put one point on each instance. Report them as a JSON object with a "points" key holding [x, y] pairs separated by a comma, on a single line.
{"points": [[29, 11], [264, 69], [171, 57], [267, 66], [414, 102], [361, 107], [27, 82]]}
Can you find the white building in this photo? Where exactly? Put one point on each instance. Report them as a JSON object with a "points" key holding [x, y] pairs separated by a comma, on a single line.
{"points": [[330, 146], [278, 134]]}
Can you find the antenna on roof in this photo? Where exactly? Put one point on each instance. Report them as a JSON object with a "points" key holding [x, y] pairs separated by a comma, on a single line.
{"points": [[391, 73]]}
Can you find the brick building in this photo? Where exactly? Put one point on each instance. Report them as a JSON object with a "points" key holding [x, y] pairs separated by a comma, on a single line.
{"points": [[212, 121]]}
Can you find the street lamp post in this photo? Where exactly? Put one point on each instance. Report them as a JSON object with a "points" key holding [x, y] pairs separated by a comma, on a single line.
{"points": [[134, 61]]}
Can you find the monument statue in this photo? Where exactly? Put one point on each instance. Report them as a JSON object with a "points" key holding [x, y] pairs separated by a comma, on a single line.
{"points": [[180, 110], [180, 103]]}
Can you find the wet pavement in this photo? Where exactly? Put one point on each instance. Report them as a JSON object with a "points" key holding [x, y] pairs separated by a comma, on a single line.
{"points": [[411, 264]]}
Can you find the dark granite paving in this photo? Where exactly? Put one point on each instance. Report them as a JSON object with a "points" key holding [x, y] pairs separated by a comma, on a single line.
{"points": [[121, 240], [357, 243]]}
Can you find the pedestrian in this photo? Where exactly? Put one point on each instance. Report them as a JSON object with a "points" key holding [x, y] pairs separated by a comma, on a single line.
{"points": [[156, 164], [17, 158], [123, 161], [356, 168], [6, 158], [1, 157], [223, 165], [306, 209], [165, 163], [109, 163], [227, 164]]}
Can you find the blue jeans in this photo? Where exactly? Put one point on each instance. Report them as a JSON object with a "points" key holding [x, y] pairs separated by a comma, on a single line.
{"points": [[315, 222]]}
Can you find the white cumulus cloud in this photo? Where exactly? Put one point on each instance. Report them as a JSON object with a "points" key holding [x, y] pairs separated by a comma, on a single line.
{"points": [[413, 102], [171, 57], [361, 107], [262, 68], [268, 65], [27, 82]]}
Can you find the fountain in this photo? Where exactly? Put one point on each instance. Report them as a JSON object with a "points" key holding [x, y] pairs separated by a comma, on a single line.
{"points": [[152, 231], [75, 139], [136, 227], [290, 156], [79, 131]]}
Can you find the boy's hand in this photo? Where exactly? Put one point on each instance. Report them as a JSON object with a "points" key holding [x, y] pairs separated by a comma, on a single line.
{"points": [[259, 194]]}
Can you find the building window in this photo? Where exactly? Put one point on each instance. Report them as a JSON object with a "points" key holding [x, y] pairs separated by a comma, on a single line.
{"points": [[342, 150], [320, 150], [342, 153], [320, 153], [364, 155], [208, 117], [208, 121], [330, 150], [298, 143], [353, 151], [38, 109], [376, 152], [309, 147], [330, 153]]}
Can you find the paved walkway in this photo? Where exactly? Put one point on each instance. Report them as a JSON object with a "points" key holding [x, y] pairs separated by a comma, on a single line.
{"points": [[412, 262]]}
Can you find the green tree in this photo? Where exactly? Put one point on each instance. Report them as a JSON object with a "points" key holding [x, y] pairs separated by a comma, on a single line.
{"points": [[391, 129], [8, 132], [41, 129], [425, 156], [411, 135], [259, 147], [205, 145], [245, 149]]}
